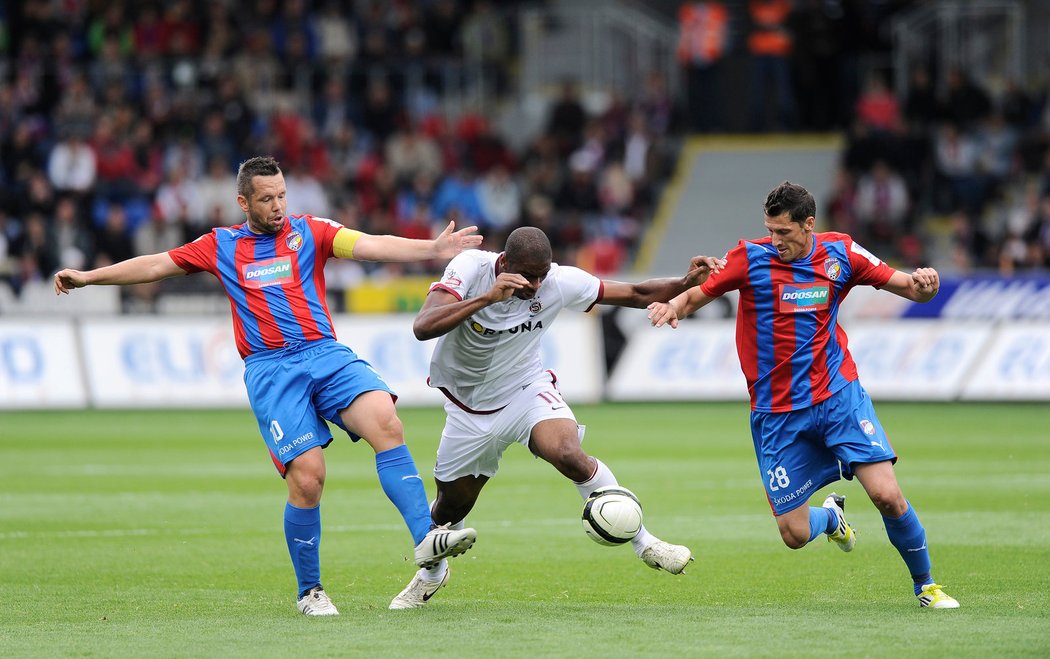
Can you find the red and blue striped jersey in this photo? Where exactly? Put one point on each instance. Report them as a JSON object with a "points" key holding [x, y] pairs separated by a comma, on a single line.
{"points": [[792, 351], [275, 282]]}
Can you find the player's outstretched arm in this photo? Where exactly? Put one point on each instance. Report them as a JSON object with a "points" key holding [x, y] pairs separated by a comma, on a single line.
{"points": [[646, 292], [139, 270], [669, 313], [442, 311], [919, 286], [394, 248]]}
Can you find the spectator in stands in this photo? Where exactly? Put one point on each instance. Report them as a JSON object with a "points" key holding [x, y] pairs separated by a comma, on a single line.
{"points": [[819, 30], [642, 159], [157, 234], [73, 243], [117, 169], [499, 200], [409, 152], [703, 41], [971, 245], [966, 103], [72, 166], [486, 39], [457, 197], [381, 114], [38, 196], [957, 162], [113, 241], [657, 105], [998, 143], [442, 24], [10, 247], [336, 37], [877, 107], [1016, 106], [882, 206], [306, 192], [77, 109], [21, 152], [579, 191], [37, 257], [179, 203], [921, 107], [566, 119], [770, 44], [213, 192]]}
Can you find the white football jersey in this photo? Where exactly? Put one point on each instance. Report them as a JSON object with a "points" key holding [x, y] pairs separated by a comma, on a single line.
{"points": [[487, 358]]}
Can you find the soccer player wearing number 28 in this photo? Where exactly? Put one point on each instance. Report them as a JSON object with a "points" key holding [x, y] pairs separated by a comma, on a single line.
{"points": [[296, 373], [811, 420], [491, 310]]}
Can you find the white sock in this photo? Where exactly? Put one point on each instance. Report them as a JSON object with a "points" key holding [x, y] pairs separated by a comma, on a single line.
{"points": [[602, 477], [642, 540], [437, 573]]}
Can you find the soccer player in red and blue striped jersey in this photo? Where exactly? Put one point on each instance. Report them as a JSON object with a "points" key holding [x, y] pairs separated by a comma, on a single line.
{"points": [[811, 420], [296, 373]]}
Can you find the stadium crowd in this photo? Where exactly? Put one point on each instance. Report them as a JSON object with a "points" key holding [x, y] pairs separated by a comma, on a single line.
{"points": [[968, 162], [123, 123], [951, 157], [121, 126]]}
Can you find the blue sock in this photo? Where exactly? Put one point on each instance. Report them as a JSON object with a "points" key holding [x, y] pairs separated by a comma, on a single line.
{"points": [[302, 532], [404, 487], [821, 520], [908, 536]]}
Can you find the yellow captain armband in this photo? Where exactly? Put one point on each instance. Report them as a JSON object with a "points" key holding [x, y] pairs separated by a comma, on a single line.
{"points": [[343, 245]]}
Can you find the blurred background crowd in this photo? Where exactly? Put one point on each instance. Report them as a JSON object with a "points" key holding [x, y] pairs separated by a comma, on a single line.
{"points": [[122, 125]]}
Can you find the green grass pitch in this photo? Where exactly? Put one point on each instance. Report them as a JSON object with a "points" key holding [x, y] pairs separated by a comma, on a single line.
{"points": [[131, 534]]}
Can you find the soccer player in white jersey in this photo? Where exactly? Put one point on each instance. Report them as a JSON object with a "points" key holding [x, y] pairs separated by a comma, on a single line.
{"points": [[491, 311]]}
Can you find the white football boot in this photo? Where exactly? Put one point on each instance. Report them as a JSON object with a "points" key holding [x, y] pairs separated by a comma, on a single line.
{"points": [[662, 555], [443, 542], [316, 603], [418, 591]]}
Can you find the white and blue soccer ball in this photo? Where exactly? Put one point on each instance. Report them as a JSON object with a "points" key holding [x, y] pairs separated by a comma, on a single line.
{"points": [[612, 515]]}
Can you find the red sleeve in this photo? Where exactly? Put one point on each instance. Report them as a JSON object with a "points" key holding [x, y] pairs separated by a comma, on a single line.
{"points": [[324, 231], [732, 277], [200, 255], [867, 268]]}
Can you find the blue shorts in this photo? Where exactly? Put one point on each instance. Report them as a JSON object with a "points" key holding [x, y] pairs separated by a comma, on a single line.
{"points": [[800, 452], [294, 390]]}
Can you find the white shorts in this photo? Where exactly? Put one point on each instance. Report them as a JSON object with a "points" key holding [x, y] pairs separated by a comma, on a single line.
{"points": [[472, 444]]}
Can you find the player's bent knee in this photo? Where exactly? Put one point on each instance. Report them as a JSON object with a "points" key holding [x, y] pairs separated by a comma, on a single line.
{"points": [[891, 503]]}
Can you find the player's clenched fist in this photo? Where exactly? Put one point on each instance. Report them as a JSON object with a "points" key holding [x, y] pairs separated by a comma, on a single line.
{"points": [[926, 281]]}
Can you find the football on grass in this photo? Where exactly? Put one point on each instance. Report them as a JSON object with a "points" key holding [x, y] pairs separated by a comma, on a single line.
{"points": [[612, 515]]}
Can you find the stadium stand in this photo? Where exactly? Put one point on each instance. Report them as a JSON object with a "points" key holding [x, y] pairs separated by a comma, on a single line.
{"points": [[121, 125]]}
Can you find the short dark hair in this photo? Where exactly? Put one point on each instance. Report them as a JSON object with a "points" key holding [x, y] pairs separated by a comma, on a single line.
{"points": [[526, 245], [252, 167], [792, 199]]}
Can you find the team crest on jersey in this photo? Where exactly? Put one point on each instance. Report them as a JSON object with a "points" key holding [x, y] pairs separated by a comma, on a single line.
{"points": [[535, 307], [867, 426], [832, 268], [798, 298], [267, 273], [295, 241], [451, 279]]}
